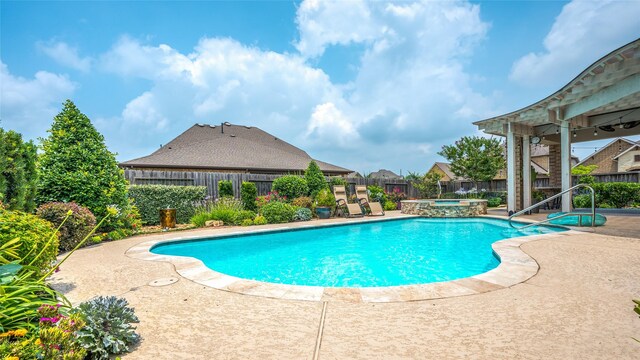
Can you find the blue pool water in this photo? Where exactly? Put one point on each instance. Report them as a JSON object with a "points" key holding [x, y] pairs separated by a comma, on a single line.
{"points": [[384, 253]]}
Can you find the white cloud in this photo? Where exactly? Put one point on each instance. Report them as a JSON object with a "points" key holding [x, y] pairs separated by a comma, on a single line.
{"points": [[323, 23], [411, 93], [583, 29], [65, 55], [29, 105]]}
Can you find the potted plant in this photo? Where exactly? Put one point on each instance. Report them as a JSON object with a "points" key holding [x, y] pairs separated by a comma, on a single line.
{"points": [[325, 201], [537, 196]]}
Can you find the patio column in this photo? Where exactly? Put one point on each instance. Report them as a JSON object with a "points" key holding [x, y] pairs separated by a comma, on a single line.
{"points": [[565, 164], [526, 172], [511, 170]]}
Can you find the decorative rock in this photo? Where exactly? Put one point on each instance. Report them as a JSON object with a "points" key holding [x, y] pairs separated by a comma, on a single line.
{"points": [[213, 223], [445, 208]]}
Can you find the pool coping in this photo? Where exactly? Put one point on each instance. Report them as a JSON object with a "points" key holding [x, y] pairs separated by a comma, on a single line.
{"points": [[515, 267]]}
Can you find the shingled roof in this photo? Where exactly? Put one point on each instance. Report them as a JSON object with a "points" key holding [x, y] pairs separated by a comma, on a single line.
{"points": [[232, 148]]}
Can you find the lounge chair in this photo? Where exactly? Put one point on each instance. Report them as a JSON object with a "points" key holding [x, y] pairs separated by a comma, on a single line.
{"points": [[342, 203], [375, 208]]}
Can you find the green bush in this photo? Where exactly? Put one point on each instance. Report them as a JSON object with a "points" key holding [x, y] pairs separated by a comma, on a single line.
{"points": [[376, 194], [34, 234], [278, 212], [325, 198], [18, 173], [247, 222], [617, 194], [389, 205], [227, 209], [108, 326], [260, 220], [303, 201], [77, 166], [248, 195], [151, 198], [290, 187], [243, 215], [494, 202], [315, 179], [77, 226], [302, 214], [337, 180], [225, 188], [582, 201]]}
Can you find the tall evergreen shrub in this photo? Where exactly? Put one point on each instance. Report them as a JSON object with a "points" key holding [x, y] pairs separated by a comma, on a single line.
{"points": [[315, 179], [17, 172], [225, 188], [77, 166], [248, 195]]}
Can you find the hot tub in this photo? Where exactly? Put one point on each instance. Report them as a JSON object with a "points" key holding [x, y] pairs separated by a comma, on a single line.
{"points": [[445, 207]]}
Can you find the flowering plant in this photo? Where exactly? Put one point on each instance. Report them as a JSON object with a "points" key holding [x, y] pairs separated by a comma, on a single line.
{"points": [[271, 197], [396, 195]]}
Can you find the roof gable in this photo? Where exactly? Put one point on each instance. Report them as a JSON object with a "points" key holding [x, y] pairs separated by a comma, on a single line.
{"points": [[604, 148]]}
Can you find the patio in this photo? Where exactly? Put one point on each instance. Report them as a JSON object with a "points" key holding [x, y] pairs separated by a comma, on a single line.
{"points": [[574, 307]]}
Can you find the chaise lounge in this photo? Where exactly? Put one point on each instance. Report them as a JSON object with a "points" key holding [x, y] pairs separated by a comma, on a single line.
{"points": [[375, 208]]}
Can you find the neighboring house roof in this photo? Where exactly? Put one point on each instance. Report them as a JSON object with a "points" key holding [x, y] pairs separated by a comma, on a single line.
{"points": [[603, 148], [242, 148], [446, 168], [384, 174], [354, 174], [636, 146]]}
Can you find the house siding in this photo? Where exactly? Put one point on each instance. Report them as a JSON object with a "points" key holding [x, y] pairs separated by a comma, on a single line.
{"points": [[627, 161], [604, 159]]}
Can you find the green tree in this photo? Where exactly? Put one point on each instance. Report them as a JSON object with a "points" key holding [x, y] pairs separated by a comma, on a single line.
{"points": [[315, 179], [17, 172], [427, 185], [475, 158], [77, 166], [584, 173], [413, 176]]}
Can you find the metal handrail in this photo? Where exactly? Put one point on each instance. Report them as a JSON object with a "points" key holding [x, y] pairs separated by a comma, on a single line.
{"points": [[593, 208]]}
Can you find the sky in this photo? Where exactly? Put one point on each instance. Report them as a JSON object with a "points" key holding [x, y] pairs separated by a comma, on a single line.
{"points": [[363, 85]]}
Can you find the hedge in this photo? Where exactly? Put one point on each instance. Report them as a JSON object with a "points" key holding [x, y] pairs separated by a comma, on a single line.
{"points": [[617, 194], [151, 198]]}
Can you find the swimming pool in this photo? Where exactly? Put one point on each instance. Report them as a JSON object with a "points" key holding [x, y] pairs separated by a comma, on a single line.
{"points": [[372, 254]]}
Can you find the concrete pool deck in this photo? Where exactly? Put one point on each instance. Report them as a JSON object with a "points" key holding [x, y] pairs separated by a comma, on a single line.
{"points": [[577, 306]]}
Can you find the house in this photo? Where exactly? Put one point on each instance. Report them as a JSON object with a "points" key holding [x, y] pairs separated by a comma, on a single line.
{"points": [[619, 156], [204, 155], [445, 172], [385, 174], [229, 148]]}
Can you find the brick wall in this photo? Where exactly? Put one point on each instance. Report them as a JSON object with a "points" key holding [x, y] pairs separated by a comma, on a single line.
{"points": [[604, 158]]}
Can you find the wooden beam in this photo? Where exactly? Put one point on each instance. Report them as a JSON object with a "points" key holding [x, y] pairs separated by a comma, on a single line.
{"points": [[617, 91]]}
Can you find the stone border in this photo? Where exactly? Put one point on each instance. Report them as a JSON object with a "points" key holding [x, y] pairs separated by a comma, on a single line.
{"points": [[515, 267]]}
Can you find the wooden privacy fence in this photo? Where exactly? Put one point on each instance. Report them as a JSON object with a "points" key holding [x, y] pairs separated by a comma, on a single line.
{"points": [[263, 181]]}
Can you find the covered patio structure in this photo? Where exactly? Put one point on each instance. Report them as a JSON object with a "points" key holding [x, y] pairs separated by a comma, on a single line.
{"points": [[602, 102]]}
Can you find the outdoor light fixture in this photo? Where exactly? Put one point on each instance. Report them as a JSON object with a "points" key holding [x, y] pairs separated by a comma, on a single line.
{"points": [[621, 125], [574, 133], [595, 131]]}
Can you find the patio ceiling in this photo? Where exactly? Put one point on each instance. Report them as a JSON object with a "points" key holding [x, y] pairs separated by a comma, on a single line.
{"points": [[604, 98]]}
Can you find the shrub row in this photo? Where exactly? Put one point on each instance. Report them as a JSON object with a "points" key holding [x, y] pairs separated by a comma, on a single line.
{"points": [[150, 198], [611, 195]]}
